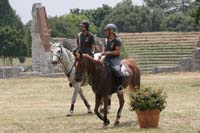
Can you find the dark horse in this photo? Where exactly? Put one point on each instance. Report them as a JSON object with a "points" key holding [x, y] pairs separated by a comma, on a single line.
{"points": [[103, 81]]}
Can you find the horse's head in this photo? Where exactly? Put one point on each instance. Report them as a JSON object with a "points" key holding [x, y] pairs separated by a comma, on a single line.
{"points": [[79, 65], [56, 50]]}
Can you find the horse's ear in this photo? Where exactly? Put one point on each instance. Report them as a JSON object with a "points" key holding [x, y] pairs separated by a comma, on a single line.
{"points": [[78, 53], [74, 52]]}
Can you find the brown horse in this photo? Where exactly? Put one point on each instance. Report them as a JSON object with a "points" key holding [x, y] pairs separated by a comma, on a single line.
{"points": [[103, 81]]}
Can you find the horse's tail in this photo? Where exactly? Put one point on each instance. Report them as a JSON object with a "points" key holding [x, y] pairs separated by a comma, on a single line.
{"points": [[136, 77]]}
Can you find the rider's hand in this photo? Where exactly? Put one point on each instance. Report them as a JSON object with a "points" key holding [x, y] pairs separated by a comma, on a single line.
{"points": [[99, 57], [106, 53]]}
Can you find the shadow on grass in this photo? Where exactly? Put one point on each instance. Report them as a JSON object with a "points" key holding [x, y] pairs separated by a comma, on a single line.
{"points": [[73, 116]]}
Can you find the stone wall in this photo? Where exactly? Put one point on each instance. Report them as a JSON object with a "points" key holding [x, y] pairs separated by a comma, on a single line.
{"points": [[196, 59], [166, 69], [185, 64], [7, 72]]}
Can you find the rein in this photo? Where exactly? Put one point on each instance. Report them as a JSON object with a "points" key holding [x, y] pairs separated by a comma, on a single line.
{"points": [[68, 74]]}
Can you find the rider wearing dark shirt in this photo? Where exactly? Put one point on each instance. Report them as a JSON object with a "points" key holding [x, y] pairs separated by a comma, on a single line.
{"points": [[85, 39], [112, 53]]}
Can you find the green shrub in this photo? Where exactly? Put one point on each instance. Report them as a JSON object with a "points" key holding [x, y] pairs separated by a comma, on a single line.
{"points": [[147, 98]]}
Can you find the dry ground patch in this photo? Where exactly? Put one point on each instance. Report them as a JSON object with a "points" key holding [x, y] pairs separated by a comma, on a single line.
{"points": [[37, 105]]}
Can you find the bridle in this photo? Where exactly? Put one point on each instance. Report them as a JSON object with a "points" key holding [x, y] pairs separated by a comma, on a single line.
{"points": [[61, 55], [59, 60]]}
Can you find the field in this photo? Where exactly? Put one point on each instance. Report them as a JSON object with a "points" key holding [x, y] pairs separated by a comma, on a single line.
{"points": [[39, 105], [16, 62]]}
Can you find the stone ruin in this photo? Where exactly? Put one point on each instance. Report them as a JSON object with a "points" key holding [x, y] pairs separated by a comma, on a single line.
{"points": [[185, 64], [40, 40]]}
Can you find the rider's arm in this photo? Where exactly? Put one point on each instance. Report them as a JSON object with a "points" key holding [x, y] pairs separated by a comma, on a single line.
{"points": [[77, 42], [93, 44]]}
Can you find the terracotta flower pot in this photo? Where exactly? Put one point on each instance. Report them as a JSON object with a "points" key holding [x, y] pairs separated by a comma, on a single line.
{"points": [[148, 118]]}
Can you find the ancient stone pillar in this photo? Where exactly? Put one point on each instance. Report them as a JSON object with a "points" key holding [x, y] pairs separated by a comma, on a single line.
{"points": [[40, 40]]}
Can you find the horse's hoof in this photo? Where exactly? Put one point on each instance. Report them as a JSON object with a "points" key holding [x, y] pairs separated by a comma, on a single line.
{"points": [[90, 112], [101, 110], [116, 123], [70, 85], [69, 114], [107, 122]]}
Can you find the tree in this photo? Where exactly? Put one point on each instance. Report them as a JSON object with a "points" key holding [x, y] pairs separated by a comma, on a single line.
{"points": [[11, 44], [130, 18], [68, 25], [97, 15], [163, 4], [27, 37], [196, 12], [157, 19], [178, 22], [8, 16], [184, 5]]}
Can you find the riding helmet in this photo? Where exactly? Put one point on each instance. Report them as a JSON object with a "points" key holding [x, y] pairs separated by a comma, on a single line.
{"points": [[111, 26], [85, 23]]}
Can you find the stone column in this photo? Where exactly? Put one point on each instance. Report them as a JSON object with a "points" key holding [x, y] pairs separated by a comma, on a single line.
{"points": [[40, 40]]}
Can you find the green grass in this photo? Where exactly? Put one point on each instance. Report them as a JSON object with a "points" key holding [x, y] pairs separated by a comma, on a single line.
{"points": [[39, 105], [16, 62]]}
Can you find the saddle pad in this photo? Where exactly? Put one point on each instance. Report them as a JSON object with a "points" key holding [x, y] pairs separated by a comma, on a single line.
{"points": [[124, 69]]}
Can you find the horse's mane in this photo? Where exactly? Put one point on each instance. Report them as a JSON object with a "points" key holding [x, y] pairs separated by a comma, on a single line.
{"points": [[71, 56]]}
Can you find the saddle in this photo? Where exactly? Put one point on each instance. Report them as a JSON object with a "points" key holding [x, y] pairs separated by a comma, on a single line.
{"points": [[119, 73]]}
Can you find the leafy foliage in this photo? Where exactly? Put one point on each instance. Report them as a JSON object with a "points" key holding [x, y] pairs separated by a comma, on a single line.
{"points": [[154, 15], [196, 12], [12, 41], [11, 44], [8, 16], [68, 25], [147, 98], [178, 22]]}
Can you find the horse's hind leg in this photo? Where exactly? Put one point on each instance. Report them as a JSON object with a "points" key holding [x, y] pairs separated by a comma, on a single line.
{"points": [[105, 111], [85, 100], [121, 105]]}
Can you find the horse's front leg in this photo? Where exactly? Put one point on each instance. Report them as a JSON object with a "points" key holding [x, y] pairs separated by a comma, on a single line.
{"points": [[97, 104], [105, 111], [121, 105], [109, 105], [73, 99], [85, 100]]}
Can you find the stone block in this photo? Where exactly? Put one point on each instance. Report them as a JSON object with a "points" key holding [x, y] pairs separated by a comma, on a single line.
{"points": [[166, 69], [186, 64]]}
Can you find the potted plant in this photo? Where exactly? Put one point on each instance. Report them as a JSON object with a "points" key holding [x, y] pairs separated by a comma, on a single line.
{"points": [[148, 103]]}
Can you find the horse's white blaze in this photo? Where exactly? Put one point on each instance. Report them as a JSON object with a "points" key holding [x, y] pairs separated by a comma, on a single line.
{"points": [[54, 58]]}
